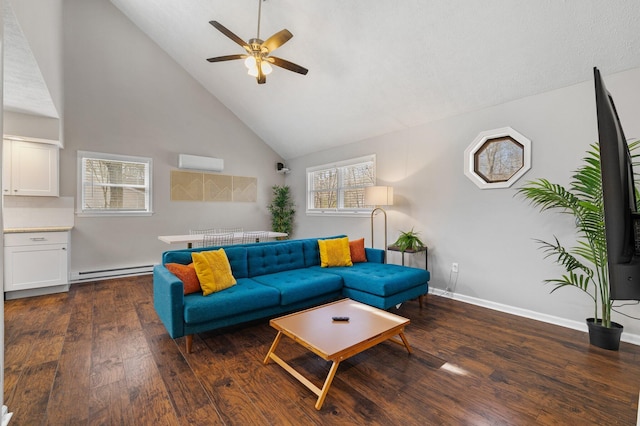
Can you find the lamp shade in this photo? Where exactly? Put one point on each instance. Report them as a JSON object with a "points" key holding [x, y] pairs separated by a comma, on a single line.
{"points": [[378, 196]]}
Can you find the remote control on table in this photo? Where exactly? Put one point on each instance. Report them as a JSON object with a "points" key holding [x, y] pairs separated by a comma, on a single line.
{"points": [[340, 318]]}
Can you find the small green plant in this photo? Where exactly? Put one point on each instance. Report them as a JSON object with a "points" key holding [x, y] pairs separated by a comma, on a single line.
{"points": [[282, 210], [409, 240]]}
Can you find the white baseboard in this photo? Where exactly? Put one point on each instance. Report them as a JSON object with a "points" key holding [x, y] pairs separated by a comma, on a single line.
{"points": [[105, 274], [31, 292], [576, 325]]}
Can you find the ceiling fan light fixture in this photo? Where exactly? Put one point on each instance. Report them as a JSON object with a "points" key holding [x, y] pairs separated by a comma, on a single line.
{"points": [[266, 68], [250, 62]]}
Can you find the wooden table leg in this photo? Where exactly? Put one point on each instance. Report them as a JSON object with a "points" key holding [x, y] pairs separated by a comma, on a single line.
{"points": [[273, 347], [189, 342], [405, 341], [327, 384], [322, 393]]}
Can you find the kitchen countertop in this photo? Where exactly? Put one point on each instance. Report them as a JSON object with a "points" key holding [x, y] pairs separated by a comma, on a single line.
{"points": [[43, 229]]}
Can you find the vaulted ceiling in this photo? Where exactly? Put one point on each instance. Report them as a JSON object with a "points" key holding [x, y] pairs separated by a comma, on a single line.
{"points": [[24, 88], [377, 66]]}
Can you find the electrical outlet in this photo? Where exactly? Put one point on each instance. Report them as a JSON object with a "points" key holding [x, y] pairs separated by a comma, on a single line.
{"points": [[454, 267]]}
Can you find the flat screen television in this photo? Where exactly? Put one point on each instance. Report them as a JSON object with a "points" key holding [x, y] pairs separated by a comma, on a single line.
{"points": [[619, 198]]}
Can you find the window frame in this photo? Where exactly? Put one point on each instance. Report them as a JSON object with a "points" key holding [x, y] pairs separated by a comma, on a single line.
{"points": [[473, 160], [340, 166], [81, 211]]}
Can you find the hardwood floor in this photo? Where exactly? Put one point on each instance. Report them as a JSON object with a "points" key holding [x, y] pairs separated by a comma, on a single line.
{"points": [[99, 355]]}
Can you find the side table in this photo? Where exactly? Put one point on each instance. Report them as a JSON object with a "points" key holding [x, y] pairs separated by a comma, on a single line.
{"points": [[424, 249]]}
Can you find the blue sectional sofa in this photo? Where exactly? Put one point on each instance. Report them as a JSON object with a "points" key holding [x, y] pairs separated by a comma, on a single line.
{"points": [[275, 278]]}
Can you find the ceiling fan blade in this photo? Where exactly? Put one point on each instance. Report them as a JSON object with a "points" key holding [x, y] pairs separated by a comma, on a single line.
{"points": [[224, 30], [282, 63], [277, 40], [226, 58]]}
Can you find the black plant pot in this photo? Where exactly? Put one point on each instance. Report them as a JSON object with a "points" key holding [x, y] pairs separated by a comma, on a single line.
{"points": [[604, 337]]}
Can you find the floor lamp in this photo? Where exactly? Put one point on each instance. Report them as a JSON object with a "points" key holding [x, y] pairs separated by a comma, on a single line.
{"points": [[379, 196]]}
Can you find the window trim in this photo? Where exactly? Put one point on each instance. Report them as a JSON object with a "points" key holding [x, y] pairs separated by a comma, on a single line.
{"points": [[115, 157], [338, 211], [473, 151]]}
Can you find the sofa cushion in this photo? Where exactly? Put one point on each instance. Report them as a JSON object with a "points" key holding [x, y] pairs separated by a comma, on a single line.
{"points": [[380, 279], [312, 251], [272, 258], [237, 258], [214, 271], [188, 276], [301, 284], [247, 295], [335, 252], [358, 253]]}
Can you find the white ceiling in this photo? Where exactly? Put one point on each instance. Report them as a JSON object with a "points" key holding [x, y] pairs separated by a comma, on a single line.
{"points": [[380, 66]]}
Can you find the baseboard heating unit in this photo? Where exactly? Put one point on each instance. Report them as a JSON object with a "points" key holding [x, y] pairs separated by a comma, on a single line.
{"points": [[106, 274]]}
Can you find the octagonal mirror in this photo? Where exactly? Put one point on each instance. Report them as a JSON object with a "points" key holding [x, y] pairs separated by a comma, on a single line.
{"points": [[497, 158]]}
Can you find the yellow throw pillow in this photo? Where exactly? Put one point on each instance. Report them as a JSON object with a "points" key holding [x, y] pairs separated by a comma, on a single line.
{"points": [[213, 270], [335, 252]]}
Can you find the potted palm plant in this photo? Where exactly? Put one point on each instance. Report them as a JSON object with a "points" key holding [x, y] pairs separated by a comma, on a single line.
{"points": [[585, 264], [282, 210]]}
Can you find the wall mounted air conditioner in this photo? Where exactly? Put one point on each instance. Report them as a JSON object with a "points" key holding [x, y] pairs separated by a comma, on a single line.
{"points": [[196, 162]]}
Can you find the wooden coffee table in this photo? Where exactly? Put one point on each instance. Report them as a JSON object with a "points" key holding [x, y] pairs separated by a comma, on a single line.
{"points": [[336, 341]]}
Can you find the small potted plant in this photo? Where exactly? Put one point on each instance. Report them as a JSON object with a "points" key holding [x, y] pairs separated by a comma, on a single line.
{"points": [[408, 241]]}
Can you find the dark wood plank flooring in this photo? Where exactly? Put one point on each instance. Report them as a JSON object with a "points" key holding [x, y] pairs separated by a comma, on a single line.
{"points": [[99, 355]]}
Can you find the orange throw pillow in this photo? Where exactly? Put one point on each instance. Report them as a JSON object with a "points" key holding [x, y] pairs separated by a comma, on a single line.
{"points": [[358, 254], [186, 274]]}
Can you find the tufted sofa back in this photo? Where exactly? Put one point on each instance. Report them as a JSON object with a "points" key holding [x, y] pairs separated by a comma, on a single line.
{"points": [[272, 258], [250, 260], [312, 250], [237, 256]]}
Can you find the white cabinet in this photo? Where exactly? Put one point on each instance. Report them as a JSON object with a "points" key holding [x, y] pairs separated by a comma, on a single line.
{"points": [[29, 168], [35, 260]]}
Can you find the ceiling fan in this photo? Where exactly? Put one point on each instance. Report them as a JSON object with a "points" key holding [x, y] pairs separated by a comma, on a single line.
{"points": [[258, 59]]}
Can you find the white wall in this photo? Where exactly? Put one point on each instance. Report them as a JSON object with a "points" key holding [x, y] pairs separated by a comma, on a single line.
{"points": [[488, 232], [33, 126], [124, 95]]}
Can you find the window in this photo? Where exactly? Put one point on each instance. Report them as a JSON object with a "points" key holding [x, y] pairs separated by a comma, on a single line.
{"points": [[111, 184], [339, 187], [497, 158]]}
